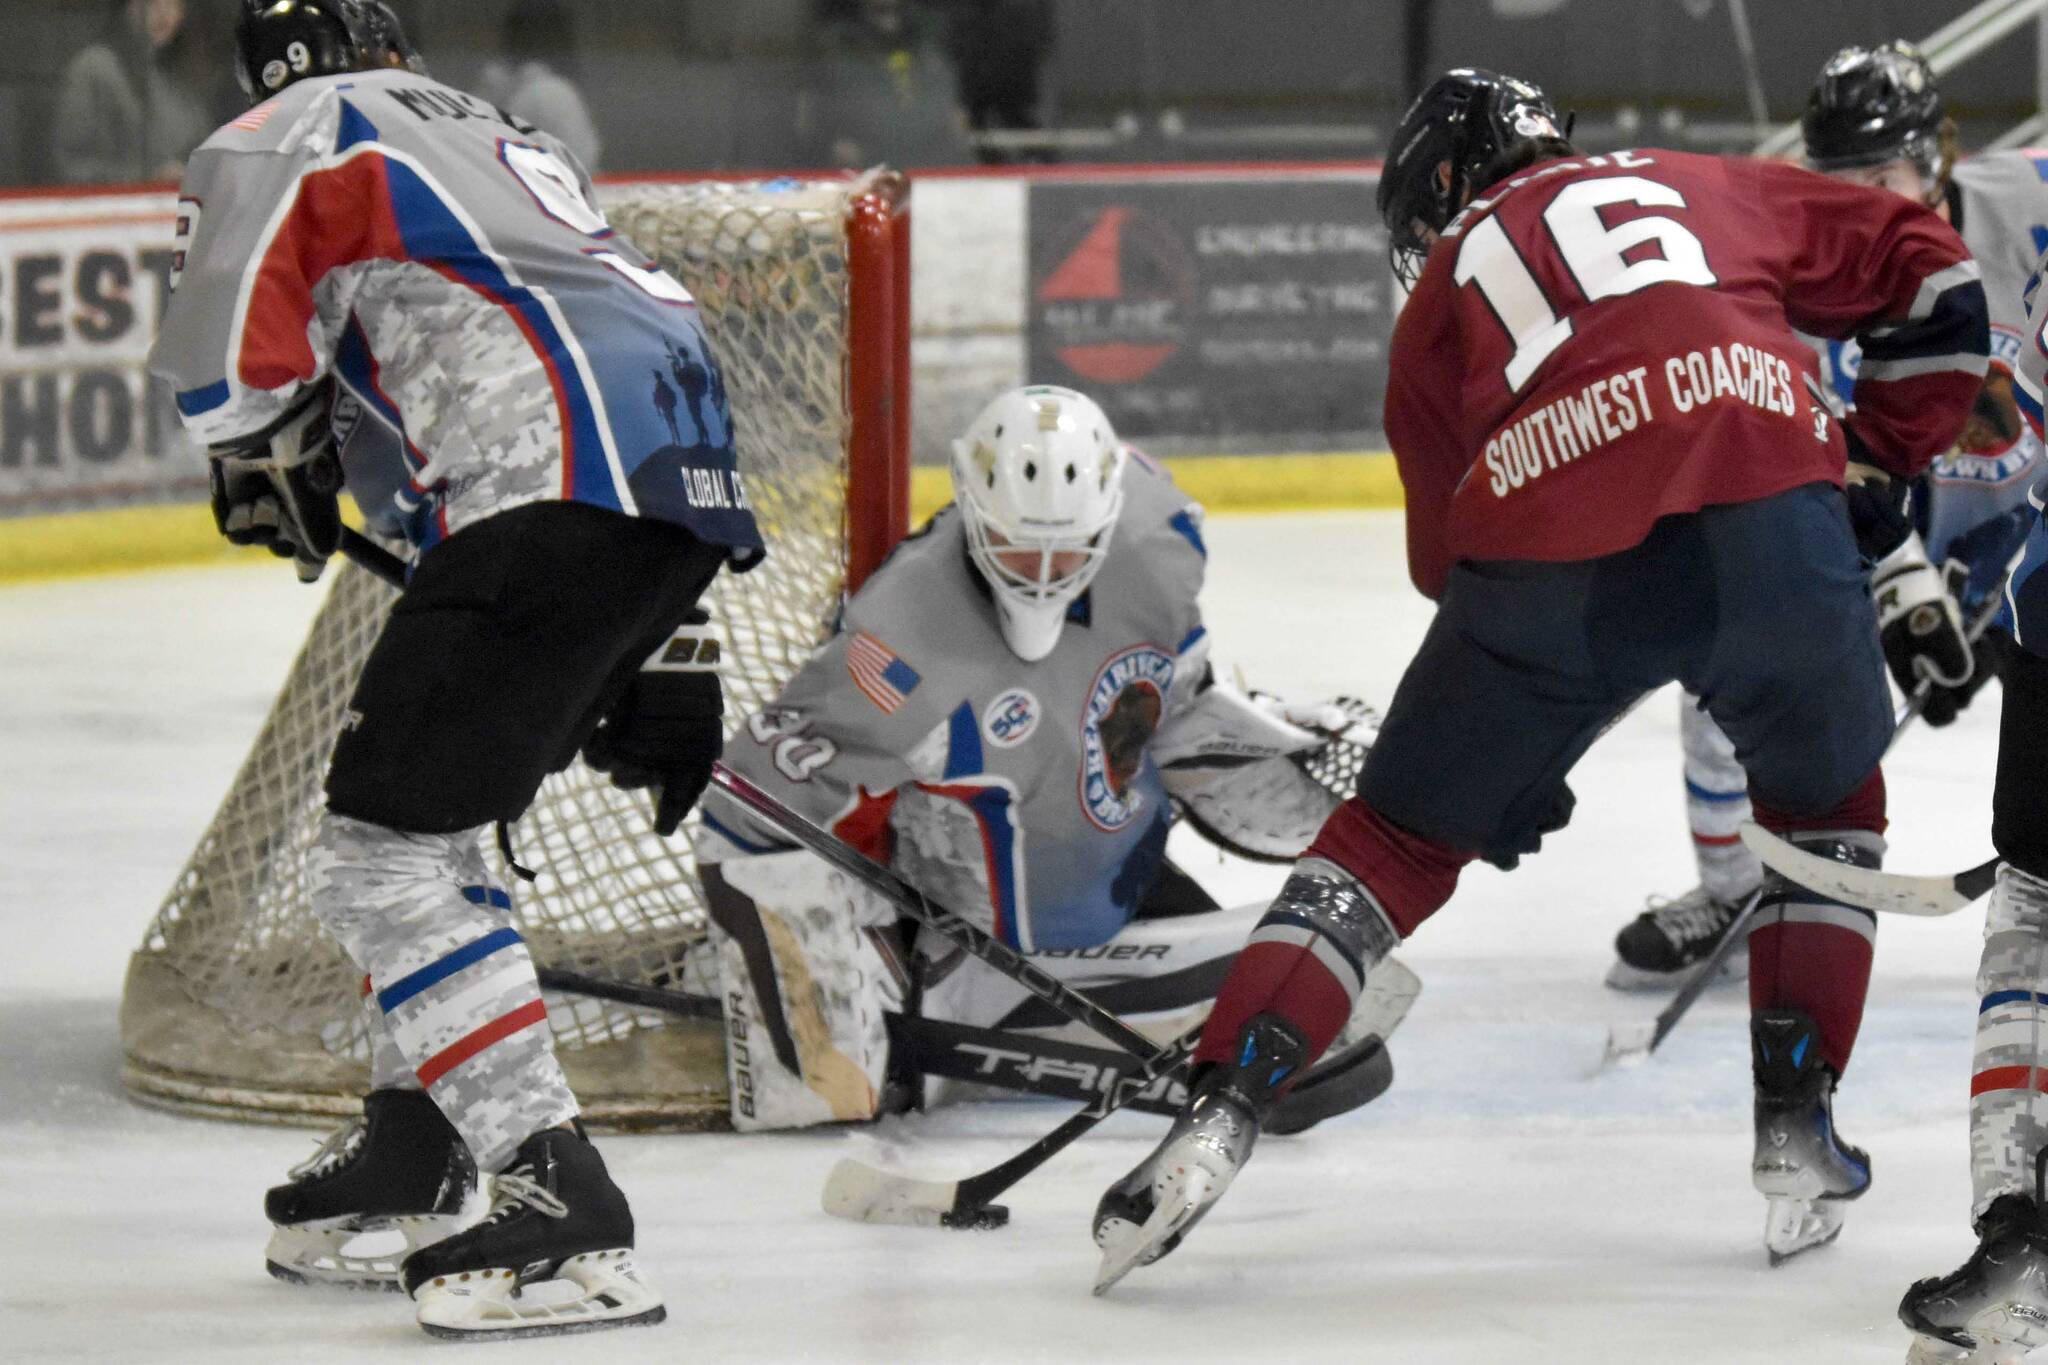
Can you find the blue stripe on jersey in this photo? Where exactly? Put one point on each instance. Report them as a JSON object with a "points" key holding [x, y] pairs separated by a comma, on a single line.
{"points": [[1184, 522], [963, 743], [718, 826], [1189, 643], [406, 987], [1699, 793], [354, 128], [192, 402], [433, 235]]}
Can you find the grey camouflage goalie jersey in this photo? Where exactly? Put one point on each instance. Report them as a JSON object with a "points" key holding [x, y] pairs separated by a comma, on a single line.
{"points": [[1024, 791], [449, 265]]}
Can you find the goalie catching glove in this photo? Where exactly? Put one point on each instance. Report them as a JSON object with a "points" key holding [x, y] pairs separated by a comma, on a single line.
{"points": [[1922, 629], [666, 729], [280, 487]]}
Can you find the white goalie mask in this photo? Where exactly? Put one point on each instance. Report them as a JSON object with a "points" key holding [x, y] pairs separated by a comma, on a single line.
{"points": [[1039, 481]]}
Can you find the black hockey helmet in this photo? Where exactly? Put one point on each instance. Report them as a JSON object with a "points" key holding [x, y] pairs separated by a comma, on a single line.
{"points": [[1871, 105], [1444, 152], [278, 42]]}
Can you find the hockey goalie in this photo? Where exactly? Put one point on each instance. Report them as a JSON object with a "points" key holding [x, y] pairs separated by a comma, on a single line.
{"points": [[1010, 714]]}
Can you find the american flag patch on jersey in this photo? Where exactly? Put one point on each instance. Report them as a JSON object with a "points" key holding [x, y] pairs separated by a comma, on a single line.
{"points": [[254, 120], [885, 679]]}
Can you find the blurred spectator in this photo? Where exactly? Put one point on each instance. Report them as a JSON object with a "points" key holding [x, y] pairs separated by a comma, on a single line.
{"points": [[880, 87], [534, 81], [127, 109], [999, 48]]}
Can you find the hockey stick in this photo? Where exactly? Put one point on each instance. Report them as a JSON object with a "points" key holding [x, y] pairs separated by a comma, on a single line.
{"points": [[369, 555], [1630, 1043], [1924, 689], [1047, 989], [1895, 892]]}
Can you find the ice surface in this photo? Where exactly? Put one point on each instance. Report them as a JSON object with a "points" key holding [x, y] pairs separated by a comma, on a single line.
{"points": [[1500, 1205]]}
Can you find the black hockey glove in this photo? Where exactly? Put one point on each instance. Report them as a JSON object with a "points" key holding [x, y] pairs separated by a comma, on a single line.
{"points": [[1922, 629], [279, 488], [1880, 510], [666, 729]]}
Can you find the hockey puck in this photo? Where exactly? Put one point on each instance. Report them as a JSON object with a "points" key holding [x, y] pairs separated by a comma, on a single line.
{"points": [[986, 1218]]}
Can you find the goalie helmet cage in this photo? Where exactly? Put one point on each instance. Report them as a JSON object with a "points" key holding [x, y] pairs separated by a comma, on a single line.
{"points": [[239, 1005]]}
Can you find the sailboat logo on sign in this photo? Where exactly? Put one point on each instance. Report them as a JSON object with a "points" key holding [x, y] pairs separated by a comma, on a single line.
{"points": [[1115, 302]]}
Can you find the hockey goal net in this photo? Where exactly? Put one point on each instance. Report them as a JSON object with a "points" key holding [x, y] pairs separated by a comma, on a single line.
{"points": [[238, 1004]]}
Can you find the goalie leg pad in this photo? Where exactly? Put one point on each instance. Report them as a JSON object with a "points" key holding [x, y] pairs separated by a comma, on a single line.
{"points": [[455, 984], [809, 969]]}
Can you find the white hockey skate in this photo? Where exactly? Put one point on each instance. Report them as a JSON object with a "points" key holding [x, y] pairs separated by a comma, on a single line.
{"points": [[1147, 1213], [380, 1188], [1805, 1171], [553, 1256]]}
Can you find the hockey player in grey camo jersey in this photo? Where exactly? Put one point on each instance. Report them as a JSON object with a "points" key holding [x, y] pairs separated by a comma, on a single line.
{"points": [[449, 269], [1009, 713], [1875, 117]]}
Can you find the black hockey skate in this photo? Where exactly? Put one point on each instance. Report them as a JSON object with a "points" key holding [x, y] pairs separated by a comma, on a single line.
{"points": [[1994, 1308], [554, 1255], [399, 1171], [1658, 949], [1147, 1213], [1802, 1166]]}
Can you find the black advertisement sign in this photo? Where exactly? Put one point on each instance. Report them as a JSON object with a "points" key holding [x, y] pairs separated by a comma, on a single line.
{"points": [[1219, 312]]}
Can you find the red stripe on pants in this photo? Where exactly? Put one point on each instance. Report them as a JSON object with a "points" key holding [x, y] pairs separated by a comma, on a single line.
{"points": [[2009, 1078], [504, 1026]]}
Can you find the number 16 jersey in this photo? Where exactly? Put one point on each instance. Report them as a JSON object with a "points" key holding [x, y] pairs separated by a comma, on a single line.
{"points": [[1598, 342], [450, 267]]}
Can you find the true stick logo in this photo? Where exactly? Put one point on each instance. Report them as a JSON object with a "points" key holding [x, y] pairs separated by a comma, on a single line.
{"points": [[1010, 718]]}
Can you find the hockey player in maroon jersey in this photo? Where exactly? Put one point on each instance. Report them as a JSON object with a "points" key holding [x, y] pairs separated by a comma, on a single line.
{"points": [[1616, 477]]}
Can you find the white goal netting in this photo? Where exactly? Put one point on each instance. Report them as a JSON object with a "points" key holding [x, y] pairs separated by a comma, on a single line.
{"points": [[238, 1004]]}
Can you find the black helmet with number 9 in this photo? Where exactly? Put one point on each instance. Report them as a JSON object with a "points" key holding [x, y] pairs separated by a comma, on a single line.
{"points": [[1445, 152], [1873, 105], [278, 42]]}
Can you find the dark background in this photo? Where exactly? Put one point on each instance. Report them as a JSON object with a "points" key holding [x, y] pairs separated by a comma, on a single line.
{"points": [[739, 84]]}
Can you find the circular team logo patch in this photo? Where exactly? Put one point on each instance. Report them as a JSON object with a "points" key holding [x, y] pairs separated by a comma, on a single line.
{"points": [[1124, 706], [1010, 718]]}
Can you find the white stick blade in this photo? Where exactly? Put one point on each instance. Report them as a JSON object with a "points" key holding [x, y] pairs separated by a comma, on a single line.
{"points": [[862, 1194], [1892, 892]]}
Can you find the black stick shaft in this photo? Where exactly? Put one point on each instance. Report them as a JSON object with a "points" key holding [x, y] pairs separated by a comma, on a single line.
{"points": [[978, 1190], [368, 554], [912, 902]]}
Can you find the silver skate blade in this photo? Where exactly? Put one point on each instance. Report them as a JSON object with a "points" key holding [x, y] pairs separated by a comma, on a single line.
{"points": [[1793, 1226], [352, 1253], [592, 1292], [1184, 1195]]}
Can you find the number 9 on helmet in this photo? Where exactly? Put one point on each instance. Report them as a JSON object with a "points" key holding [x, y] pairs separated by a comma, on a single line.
{"points": [[1038, 478], [278, 42]]}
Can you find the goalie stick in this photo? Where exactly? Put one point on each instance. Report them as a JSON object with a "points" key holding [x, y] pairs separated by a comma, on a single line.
{"points": [[1898, 893]]}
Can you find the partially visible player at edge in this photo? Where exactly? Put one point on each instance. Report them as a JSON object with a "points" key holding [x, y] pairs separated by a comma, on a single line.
{"points": [[450, 268], [1875, 117], [1615, 479], [1995, 1306]]}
